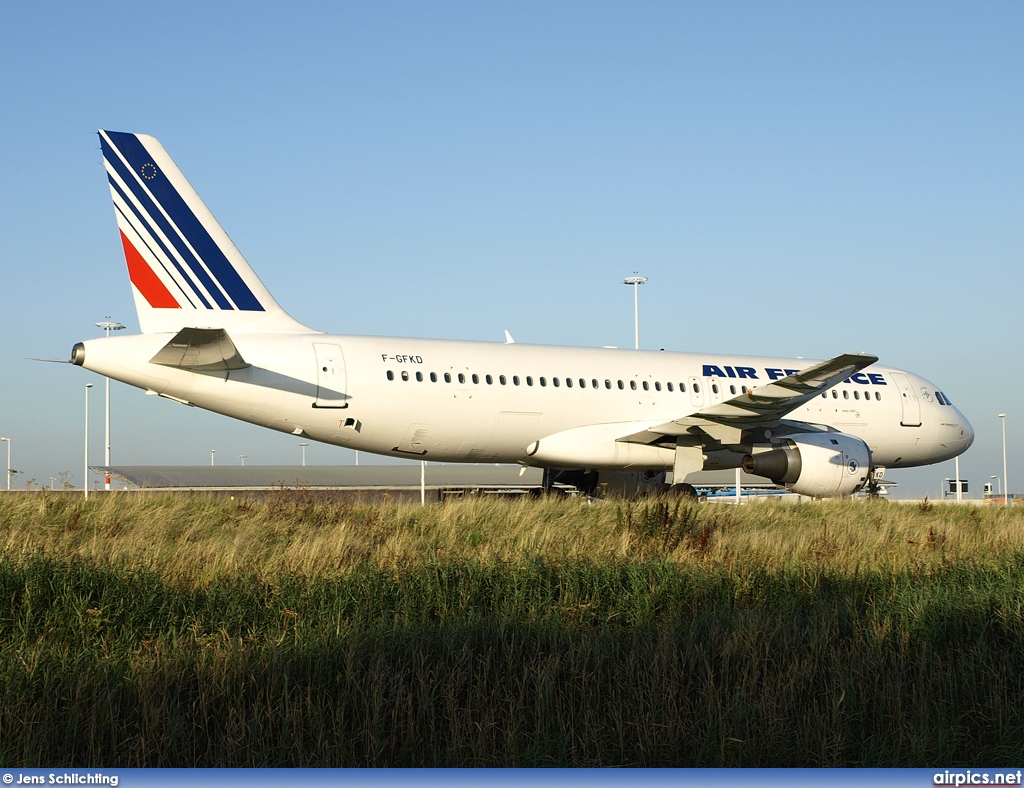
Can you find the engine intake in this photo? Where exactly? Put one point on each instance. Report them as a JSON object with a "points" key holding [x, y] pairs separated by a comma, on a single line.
{"points": [[816, 464]]}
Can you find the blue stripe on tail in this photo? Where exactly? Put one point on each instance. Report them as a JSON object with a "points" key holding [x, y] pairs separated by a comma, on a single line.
{"points": [[189, 225]]}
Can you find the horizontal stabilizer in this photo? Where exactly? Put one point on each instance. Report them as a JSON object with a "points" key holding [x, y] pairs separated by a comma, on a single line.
{"points": [[201, 350]]}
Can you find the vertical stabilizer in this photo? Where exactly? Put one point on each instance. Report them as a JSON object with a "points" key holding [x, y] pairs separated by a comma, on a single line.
{"points": [[184, 269]]}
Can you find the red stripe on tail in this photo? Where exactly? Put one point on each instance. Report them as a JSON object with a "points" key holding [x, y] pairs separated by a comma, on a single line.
{"points": [[145, 281]]}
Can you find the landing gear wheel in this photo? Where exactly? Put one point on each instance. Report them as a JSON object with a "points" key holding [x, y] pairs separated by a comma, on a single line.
{"points": [[683, 490]]}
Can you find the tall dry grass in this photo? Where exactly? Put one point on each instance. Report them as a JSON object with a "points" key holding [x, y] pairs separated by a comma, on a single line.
{"points": [[195, 539], [142, 630]]}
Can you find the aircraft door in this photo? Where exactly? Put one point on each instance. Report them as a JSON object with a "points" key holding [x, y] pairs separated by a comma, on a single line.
{"points": [[715, 389], [330, 376], [911, 404]]}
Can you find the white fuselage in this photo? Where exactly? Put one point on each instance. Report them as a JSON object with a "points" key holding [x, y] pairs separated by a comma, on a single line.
{"points": [[455, 401]]}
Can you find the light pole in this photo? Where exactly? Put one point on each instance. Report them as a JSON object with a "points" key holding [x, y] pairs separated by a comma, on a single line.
{"points": [[1006, 482], [303, 445], [108, 325], [242, 458], [8, 441], [85, 477], [212, 452], [636, 280]]}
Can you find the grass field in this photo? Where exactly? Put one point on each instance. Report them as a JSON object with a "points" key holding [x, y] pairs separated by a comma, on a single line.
{"points": [[141, 630]]}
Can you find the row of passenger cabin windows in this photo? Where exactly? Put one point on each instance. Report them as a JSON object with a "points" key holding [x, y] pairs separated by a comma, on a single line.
{"points": [[594, 384], [856, 394], [582, 383]]}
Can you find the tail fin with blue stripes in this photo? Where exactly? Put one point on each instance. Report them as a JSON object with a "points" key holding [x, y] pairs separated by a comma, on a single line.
{"points": [[185, 270]]}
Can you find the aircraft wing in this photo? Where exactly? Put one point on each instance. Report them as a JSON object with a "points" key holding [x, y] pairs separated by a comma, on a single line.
{"points": [[762, 406]]}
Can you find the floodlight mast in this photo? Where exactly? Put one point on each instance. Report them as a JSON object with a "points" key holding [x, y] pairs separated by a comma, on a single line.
{"points": [[636, 280], [85, 479], [108, 325], [1006, 482]]}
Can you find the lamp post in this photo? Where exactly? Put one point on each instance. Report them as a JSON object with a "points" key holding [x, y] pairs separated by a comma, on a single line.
{"points": [[85, 477], [303, 445], [8, 442], [212, 452], [242, 458], [636, 280], [1006, 482], [108, 325]]}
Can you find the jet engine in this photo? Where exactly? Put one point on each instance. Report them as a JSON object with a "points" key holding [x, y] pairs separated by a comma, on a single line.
{"points": [[817, 464]]}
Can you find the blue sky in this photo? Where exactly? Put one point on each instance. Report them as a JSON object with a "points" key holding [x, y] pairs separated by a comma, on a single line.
{"points": [[795, 178]]}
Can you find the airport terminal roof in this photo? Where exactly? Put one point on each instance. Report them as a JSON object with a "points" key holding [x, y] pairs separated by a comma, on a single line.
{"points": [[359, 477], [321, 476]]}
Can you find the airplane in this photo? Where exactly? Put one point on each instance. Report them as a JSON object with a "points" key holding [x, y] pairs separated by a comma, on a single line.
{"points": [[213, 337]]}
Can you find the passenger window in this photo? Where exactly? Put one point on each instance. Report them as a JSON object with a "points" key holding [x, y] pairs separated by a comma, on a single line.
{"points": [[647, 386], [620, 385], [835, 394], [554, 382], [714, 388], [391, 375], [489, 379], [583, 383], [632, 385], [501, 379], [543, 381], [568, 383], [732, 389], [846, 394], [515, 380], [657, 386], [476, 378], [696, 388], [433, 377], [529, 380], [447, 377], [856, 395], [878, 396], [405, 375], [824, 395], [419, 377], [462, 378], [743, 389], [682, 388], [669, 385]]}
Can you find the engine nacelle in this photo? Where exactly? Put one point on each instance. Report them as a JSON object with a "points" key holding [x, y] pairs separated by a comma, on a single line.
{"points": [[816, 464]]}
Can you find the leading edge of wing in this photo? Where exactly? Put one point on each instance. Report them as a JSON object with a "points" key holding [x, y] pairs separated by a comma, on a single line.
{"points": [[769, 403]]}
